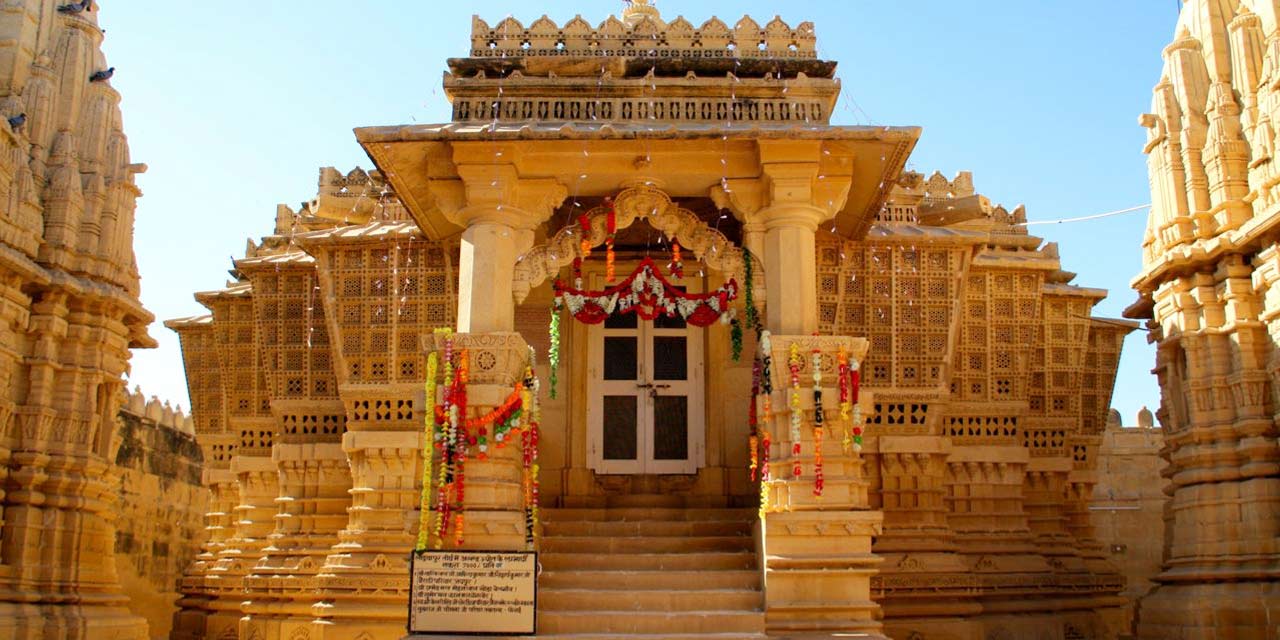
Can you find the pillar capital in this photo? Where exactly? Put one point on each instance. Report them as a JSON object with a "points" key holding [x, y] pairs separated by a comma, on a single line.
{"points": [[496, 194], [787, 194]]}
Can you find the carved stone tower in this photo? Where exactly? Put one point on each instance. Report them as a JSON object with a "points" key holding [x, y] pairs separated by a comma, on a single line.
{"points": [[70, 314], [1210, 291]]}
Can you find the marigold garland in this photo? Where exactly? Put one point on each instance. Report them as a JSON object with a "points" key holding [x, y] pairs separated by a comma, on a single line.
{"points": [[611, 232], [797, 411], [753, 424], [677, 261], [584, 223], [459, 474], [428, 451], [444, 441], [818, 419]]}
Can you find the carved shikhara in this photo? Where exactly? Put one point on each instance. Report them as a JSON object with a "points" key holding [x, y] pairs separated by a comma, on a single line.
{"points": [[641, 203], [647, 36], [1208, 292]]}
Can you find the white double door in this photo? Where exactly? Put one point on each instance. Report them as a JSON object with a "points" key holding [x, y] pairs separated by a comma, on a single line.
{"points": [[646, 396]]}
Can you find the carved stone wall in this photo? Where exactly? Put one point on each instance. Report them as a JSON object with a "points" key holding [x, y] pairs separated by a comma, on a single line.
{"points": [[161, 509], [1128, 506], [990, 381]]}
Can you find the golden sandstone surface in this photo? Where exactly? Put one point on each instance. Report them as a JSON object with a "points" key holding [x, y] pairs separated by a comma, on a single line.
{"points": [[992, 498]]}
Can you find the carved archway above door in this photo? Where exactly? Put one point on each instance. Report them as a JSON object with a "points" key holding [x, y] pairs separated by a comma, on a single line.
{"points": [[647, 203]]}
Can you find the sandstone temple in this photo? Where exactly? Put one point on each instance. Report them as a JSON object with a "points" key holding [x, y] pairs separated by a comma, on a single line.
{"points": [[729, 369], [945, 494]]}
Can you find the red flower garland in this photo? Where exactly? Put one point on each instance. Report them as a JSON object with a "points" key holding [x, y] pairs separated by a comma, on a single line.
{"points": [[646, 302]]}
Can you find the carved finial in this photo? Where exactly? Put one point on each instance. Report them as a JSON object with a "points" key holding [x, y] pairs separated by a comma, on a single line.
{"points": [[1145, 419], [637, 11]]}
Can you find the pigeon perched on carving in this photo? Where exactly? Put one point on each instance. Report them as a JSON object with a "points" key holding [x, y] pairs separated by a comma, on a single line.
{"points": [[17, 121], [76, 7], [102, 76]]}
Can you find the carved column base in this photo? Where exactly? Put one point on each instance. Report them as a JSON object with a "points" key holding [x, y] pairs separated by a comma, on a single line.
{"points": [[818, 569], [1244, 610]]}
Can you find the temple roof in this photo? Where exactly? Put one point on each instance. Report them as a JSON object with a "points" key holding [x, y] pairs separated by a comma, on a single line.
{"points": [[593, 158]]}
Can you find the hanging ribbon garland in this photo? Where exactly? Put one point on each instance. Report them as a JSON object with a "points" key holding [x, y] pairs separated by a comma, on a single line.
{"points": [[648, 294]]}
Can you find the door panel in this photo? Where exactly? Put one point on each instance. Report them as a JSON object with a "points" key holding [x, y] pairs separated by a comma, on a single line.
{"points": [[645, 395]]}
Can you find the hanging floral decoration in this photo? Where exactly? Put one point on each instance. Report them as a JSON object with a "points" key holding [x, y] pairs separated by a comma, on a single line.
{"points": [[854, 384], [428, 452], [553, 349], [445, 438], [765, 354], [611, 232], [648, 294], [753, 422], [529, 431], [451, 436], [584, 224], [749, 294], [818, 419], [735, 333], [846, 400], [677, 262], [797, 411]]}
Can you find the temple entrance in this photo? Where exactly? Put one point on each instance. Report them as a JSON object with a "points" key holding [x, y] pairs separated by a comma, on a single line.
{"points": [[645, 396]]}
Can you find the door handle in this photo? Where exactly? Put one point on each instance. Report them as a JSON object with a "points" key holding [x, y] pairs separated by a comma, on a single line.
{"points": [[653, 388]]}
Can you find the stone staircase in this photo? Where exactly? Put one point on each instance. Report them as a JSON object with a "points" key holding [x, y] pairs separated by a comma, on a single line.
{"points": [[649, 567]]}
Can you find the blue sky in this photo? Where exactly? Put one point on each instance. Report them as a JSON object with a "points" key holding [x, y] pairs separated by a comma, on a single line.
{"points": [[235, 104]]}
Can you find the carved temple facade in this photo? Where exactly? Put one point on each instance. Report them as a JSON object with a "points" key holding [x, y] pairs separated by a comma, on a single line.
{"points": [[986, 380], [1208, 293]]}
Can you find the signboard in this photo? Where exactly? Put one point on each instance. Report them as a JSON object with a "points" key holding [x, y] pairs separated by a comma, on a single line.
{"points": [[473, 593]]}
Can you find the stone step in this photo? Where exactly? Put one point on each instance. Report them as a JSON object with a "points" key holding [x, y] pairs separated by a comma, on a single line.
{"points": [[645, 544], [701, 561], [727, 600], [653, 528], [630, 514], [665, 624], [652, 636], [644, 580]]}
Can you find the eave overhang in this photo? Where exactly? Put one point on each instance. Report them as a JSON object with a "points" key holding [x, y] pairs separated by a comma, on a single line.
{"points": [[685, 160]]}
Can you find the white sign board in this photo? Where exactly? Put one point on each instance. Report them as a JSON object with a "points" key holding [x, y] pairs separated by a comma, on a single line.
{"points": [[473, 593]]}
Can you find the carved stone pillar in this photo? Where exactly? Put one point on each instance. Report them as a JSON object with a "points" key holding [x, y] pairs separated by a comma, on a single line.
{"points": [[204, 592], [253, 519], [364, 585], [781, 212], [499, 212], [314, 496], [818, 561]]}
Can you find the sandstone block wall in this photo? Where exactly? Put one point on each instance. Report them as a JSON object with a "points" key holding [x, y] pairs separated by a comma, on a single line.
{"points": [[1128, 503], [161, 506]]}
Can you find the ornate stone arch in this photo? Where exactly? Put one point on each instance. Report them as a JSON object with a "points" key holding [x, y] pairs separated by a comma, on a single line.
{"points": [[708, 245]]}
